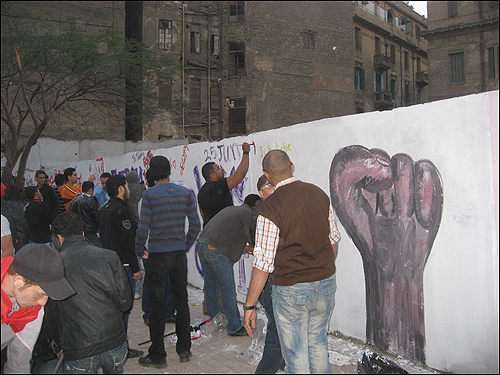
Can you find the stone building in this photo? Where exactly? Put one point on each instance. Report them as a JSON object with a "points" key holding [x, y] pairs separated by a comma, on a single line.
{"points": [[463, 48], [390, 56]]}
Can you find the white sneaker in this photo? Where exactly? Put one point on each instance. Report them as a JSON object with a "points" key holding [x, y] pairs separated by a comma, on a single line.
{"points": [[137, 296]]}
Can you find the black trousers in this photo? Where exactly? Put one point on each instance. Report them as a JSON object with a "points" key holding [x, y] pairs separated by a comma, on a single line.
{"points": [[159, 268]]}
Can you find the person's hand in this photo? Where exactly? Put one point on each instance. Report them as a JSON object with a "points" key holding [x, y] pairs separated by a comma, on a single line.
{"points": [[249, 321], [146, 254], [246, 147], [137, 276], [91, 178], [248, 250]]}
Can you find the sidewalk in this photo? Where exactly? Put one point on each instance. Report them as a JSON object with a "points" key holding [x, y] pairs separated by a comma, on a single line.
{"points": [[217, 353]]}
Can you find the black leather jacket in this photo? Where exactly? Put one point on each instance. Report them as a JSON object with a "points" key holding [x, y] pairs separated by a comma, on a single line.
{"points": [[87, 208], [92, 320]]}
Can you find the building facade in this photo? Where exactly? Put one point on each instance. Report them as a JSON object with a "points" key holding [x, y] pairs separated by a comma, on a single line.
{"points": [[390, 56], [463, 47]]}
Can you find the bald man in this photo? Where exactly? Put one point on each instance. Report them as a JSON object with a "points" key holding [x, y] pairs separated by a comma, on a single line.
{"points": [[296, 241]]}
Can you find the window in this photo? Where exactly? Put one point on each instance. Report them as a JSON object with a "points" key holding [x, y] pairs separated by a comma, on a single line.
{"points": [[236, 10], [379, 82], [457, 67], [196, 39], [417, 31], [214, 97], [309, 37], [491, 62], [357, 39], [377, 46], [407, 60], [393, 54], [407, 92], [165, 35], [165, 96], [452, 8], [359, 78], [419, 65], [195, 93], [236, 59], [394, 89], [419, 96], [390, 17], [237, 116], [214, 41]]}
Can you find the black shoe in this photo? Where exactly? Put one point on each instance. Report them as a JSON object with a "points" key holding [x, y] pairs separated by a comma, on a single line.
{"points": [[147, 361], [132, 353], [185, 356], [241, 332], [172, 319]]}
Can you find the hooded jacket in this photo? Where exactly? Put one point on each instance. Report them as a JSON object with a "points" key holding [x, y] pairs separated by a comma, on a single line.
{"points": [[92, 320]]}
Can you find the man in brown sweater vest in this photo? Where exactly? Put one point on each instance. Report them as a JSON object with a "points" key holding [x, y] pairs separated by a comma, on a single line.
{"points": [[296, 240]]}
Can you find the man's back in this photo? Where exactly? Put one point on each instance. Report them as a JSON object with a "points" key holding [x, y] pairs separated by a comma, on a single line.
{"points": [[86, 207], [213, 197], [228, 231], [163, 212], [92, 320]]}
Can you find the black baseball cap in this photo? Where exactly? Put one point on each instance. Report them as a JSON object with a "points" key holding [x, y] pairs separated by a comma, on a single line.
{"points": [[43, 265]]}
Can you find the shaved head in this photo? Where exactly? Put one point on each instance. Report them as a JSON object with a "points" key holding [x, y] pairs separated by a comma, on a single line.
{"points": [[277, 164]]}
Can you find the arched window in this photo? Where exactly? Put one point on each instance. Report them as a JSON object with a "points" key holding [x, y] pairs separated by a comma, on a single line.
{"points": [[390, 17]]}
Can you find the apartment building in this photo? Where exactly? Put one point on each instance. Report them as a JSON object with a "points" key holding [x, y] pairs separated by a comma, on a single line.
{"points": [[390, 56], [463, 47]]}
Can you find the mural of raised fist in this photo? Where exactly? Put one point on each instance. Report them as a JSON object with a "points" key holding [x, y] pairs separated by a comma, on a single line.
{"points": [[391, 208]]}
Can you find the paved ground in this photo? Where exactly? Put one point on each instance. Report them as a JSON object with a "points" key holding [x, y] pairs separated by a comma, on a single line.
{"points": [[217, 353]]}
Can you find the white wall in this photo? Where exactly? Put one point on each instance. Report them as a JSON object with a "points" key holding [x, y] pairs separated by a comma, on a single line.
{"points": [[460, 136]]}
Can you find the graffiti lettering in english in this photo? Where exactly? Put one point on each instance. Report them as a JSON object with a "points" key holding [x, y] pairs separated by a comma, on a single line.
{"points": [[222, 152]]}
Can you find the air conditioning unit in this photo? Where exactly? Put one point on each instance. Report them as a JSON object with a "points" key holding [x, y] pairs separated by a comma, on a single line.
{"points": [[166, 24]]}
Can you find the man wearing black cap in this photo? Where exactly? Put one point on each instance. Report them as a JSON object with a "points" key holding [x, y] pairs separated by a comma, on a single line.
{"points": [[164, 209], [92, 327], [29, 278]]}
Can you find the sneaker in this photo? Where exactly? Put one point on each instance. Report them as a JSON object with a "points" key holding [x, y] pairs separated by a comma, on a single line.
{"points": [[132, 353], [137, 296], [185, 356], [241, 332], [147, 361]]}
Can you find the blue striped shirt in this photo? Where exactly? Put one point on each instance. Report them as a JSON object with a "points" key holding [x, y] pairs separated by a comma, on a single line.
{"points": [[163, 215]]}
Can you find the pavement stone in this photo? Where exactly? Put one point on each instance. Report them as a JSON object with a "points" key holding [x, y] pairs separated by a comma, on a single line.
{"points": [[217, 352]]}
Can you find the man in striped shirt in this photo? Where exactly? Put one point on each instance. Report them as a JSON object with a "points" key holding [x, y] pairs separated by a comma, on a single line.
{"points": [[164, 209], [296, 240]]}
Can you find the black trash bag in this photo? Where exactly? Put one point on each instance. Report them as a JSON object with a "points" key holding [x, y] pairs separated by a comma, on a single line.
{"points": [[373, 363]]}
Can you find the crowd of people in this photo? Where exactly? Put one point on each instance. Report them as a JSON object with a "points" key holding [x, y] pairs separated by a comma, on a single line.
{"points": [[75, 259]]}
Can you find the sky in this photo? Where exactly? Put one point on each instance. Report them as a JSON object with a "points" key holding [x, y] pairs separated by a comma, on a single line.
{"points": [[420, 7]]}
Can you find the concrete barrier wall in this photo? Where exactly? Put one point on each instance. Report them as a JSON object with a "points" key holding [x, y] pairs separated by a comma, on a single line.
{"points": [[460, 280]]}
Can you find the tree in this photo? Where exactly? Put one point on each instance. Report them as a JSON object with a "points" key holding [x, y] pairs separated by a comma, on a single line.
{"points": [[86, 76]]}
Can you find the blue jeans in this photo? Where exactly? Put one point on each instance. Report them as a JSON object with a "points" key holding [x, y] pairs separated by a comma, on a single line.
{"points": [[271, 360], [111, 362], [160, 268], [218, 273], [302, 313]]}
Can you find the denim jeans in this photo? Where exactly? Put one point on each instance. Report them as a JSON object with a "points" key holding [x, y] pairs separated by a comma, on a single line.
{"points": [[302, 313], [161, 267], [169, 301], [218, 273], [111, 362], [271, 360]]}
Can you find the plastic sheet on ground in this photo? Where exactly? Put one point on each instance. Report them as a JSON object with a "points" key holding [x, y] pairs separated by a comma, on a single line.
{"points": [[254, 352]]}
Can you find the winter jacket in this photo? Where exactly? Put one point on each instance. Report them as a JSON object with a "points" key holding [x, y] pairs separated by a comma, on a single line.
{"points": [[92, 320], [87, 207], [117, 227], [39, 219]]}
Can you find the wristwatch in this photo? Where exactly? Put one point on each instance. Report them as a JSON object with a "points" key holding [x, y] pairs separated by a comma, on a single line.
{"points": [[246, 152], [245, 307]]}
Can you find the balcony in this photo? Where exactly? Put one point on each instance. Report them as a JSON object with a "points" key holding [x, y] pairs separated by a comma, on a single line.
{"points": [[382, 62], [422, 78], [384, 100]]}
